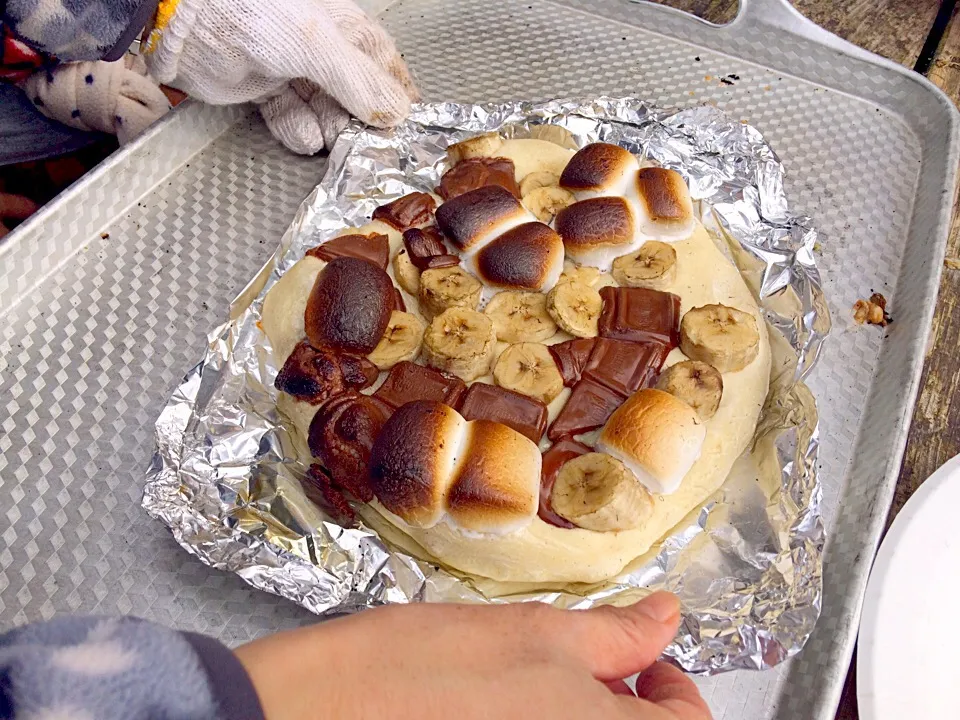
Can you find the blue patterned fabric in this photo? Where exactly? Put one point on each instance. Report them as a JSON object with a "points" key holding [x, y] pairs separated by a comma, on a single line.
{"points": [[79, 29], [96, 668]]}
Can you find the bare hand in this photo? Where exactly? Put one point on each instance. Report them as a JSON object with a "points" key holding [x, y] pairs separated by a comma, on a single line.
{"points": [[470, 662], [14, 207]]}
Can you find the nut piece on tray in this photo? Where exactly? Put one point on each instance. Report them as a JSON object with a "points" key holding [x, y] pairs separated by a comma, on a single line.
{"points": [[474, 173], [408, 382], [413, 210], [489, 402], [312, 375], [374, 248], [349, 306], [640, 315]]}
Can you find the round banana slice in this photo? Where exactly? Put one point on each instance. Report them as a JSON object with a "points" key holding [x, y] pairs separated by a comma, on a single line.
{"points": [[528, 368], [401, 341], [444, 288], [722, 336], [460, 341], [597, 492], [537, 180], [581, 273], [575, 307], [406, 272], [479, 146], [698, 384], [546, 202], [520, 316], [653, 266]]}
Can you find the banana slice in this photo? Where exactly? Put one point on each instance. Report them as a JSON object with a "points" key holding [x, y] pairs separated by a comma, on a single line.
{"points": [[537, 180], [581, 273], [528, 368], [406, 272], [444, 288], [460, 341], [698, 384], [546, 202], [520, 316], [555, 134], [722, 336], [401, 341], [575, 307], [485, 145], [653, 266], [597, 492]]}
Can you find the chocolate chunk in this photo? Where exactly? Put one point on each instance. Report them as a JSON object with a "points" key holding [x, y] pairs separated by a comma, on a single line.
{"points": [[319, 489], [407, 212], [478, 172], [427, 250], [374, 248], [562, 452], [625, 367], [590, 406], [313, 375], [341, 437], [349, 306], [398, 304], [571, 357], [640, 315], [490, 402], [408, 381]]}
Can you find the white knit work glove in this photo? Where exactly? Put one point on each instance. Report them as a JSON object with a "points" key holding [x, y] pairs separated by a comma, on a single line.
{"points": [[233, 51]]}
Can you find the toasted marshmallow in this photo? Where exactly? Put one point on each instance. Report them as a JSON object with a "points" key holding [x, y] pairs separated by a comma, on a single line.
{"points": [[497, 488], [413, 461], [473, 219], [528, 257], [666, 212], [599, 230], [657, 436], [429, 464], [598, 170]]}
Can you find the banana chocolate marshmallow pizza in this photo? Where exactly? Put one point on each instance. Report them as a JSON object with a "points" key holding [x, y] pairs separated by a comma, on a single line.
{"points": [[531, 373]]}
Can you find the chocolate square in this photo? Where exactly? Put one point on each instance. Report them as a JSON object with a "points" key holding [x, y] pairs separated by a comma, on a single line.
{"points": [[407, 212], [590, 406], [571, 357], [373, 248], [475, 173], [427, 250], [640, 315], [408, 381], [625, 367], [490, 402]]}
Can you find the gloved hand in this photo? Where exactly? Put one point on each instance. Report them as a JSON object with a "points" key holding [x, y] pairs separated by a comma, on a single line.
{"points": [[308, 63]]}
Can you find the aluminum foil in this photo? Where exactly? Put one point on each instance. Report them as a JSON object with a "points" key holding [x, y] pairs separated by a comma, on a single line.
{"points": [[747, 565]]}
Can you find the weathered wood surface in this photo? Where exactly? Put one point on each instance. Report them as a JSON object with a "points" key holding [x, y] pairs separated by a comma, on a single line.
{"points": [[898, 30]]}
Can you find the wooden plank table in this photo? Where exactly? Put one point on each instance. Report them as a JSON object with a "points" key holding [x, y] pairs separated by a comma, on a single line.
{"points": [[910, 34]]}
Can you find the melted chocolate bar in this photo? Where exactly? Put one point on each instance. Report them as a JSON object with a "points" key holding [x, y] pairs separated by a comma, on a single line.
{"points": [[427, 250], [490, 402], [571, 358], [625, 367], [313, 375], [562, 452], [408, 381], [590, 406], [374, 248], [398, 304], [320, 490], [477, 172], [407, 212], [640, 315]]}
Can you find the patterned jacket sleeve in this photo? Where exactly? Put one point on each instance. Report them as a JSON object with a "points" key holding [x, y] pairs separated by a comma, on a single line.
{"points": [[86, 668]]}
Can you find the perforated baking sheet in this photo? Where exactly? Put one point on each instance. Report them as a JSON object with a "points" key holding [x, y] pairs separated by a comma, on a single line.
{"points": [[106, 296]]}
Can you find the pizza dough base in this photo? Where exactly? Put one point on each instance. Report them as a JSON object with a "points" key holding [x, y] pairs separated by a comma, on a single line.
{"points": [[542, 553]]}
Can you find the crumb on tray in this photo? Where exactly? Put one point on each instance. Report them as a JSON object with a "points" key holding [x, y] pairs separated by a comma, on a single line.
{"points": [[872, 311]]}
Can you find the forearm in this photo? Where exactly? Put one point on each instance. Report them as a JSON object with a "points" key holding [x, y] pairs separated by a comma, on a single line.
{"points": [[120, 668]]}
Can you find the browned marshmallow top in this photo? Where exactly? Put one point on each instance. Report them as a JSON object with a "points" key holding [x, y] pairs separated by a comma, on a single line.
{"points": [[469, 220], [596, 223], [664, 197], [597, 167], [525, 257]]}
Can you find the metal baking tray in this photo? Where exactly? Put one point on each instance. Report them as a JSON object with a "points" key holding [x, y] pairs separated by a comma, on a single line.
{"points": [[106, 295]]}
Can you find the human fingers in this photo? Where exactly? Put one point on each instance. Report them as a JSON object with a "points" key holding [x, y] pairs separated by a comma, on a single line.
{"points": [[619, 687], [668, 688], [16, 207]]}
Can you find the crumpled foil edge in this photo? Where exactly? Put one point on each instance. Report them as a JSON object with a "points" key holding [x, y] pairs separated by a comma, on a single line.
{"points": [[747, 565]]}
